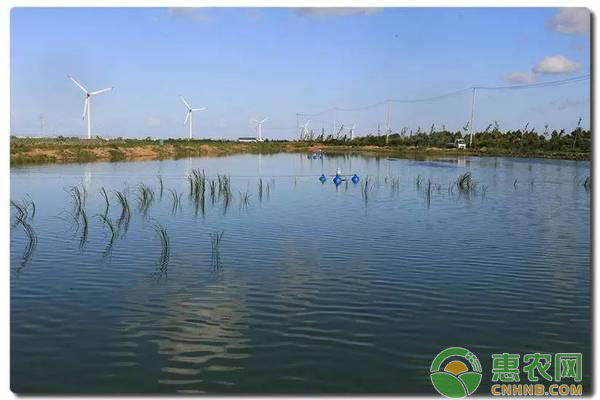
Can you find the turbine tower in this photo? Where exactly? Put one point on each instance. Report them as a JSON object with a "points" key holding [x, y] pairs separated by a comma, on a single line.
{"points": [[304, 129], [260, 128], [87, 112], [352, 132], [188, 115]]}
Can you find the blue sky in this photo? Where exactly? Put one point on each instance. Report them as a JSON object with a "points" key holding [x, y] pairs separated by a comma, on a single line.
{"points": [[250, 63]]}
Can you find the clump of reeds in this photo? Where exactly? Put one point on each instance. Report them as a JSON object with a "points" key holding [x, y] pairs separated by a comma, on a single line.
{"points": [[112, 229], [145, 197], [395, 184], [216, 239], [161, 186], [365, 190], [197, 181], [79, 214], [84, 230], [244, 199], [484, 190], [125, 210], [587, 184], [419, 181], [176, 199], [428, 192], [465, 183], [78, 196], [515, 183], [22, 217], [165, 244], [260, 188], [105, 197]]}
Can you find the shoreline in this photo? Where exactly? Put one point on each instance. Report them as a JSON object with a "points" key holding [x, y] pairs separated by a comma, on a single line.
{"points": [[56, 151]]}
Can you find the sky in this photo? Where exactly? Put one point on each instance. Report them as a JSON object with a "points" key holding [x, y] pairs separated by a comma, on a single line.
{"points": [[244, 64]]}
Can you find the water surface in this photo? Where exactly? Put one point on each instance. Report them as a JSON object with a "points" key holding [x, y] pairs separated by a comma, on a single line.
{"points": [[316, 288]]}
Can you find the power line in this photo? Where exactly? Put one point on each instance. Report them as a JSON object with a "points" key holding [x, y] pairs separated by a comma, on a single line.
{"points": [[450, 94]]}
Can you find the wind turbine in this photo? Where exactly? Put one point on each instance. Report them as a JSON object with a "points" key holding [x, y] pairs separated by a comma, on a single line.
{"points": [[260, 128], [188, 115], [303, 134], [352, 132], [87, 104]]}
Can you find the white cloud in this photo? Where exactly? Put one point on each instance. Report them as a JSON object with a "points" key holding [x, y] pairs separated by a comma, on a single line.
{"points": [[338, 11], [556, 65], [152, 122], [571, 20], [521, 77], [195, 13]]}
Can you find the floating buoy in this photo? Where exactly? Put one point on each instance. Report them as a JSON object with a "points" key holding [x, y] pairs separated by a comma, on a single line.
{"points": [[355, 179], [337, 180], [322, 178]]}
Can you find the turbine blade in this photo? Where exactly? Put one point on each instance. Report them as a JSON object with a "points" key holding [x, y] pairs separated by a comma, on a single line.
{"points": [[101, 91], [185, 102], [199, 109], [187, 116], [77, 83], [264, 120], [85, 107]]}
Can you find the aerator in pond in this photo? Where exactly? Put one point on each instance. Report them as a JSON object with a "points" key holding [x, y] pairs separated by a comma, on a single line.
{"points": [[355, 178], [322, 178]]}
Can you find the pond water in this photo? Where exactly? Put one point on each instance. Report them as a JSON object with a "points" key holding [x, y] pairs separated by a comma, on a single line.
{"points": [[313, 288]]}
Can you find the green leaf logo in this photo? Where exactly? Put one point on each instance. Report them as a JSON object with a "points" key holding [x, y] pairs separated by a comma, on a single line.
{"points": [[455, 373]]}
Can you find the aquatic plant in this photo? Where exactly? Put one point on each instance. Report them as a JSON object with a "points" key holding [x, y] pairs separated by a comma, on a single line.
{"points": [[587, 184], [160, 185], [365, 190], [244, 199], [165, 244], [113, 232], [216, 239], [125, 210], [260, 188], [22, 216], [428, 192], [418, 181], [145, 197], [105, 196], [176, 199], [465, 183], [78, 197], [84, 231]]}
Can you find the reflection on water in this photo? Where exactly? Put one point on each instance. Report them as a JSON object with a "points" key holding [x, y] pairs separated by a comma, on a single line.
{"points": [[311, 288]]}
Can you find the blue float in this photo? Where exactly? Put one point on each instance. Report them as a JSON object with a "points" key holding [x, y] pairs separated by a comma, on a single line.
{"points": [[355, 178], [322, 178], [337, 180]]}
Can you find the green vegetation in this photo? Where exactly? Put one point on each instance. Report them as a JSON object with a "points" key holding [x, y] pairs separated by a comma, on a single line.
{"points": [[492, 141]]}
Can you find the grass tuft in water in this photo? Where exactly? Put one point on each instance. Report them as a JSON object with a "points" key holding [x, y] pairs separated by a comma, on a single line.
{"points": [[176, 200], [125, 210], [21, 217], [113, 232], [587, 184], [216, 239], [145, 197], [465, 183], [105, 197], [161, 186], [165, 244]]}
